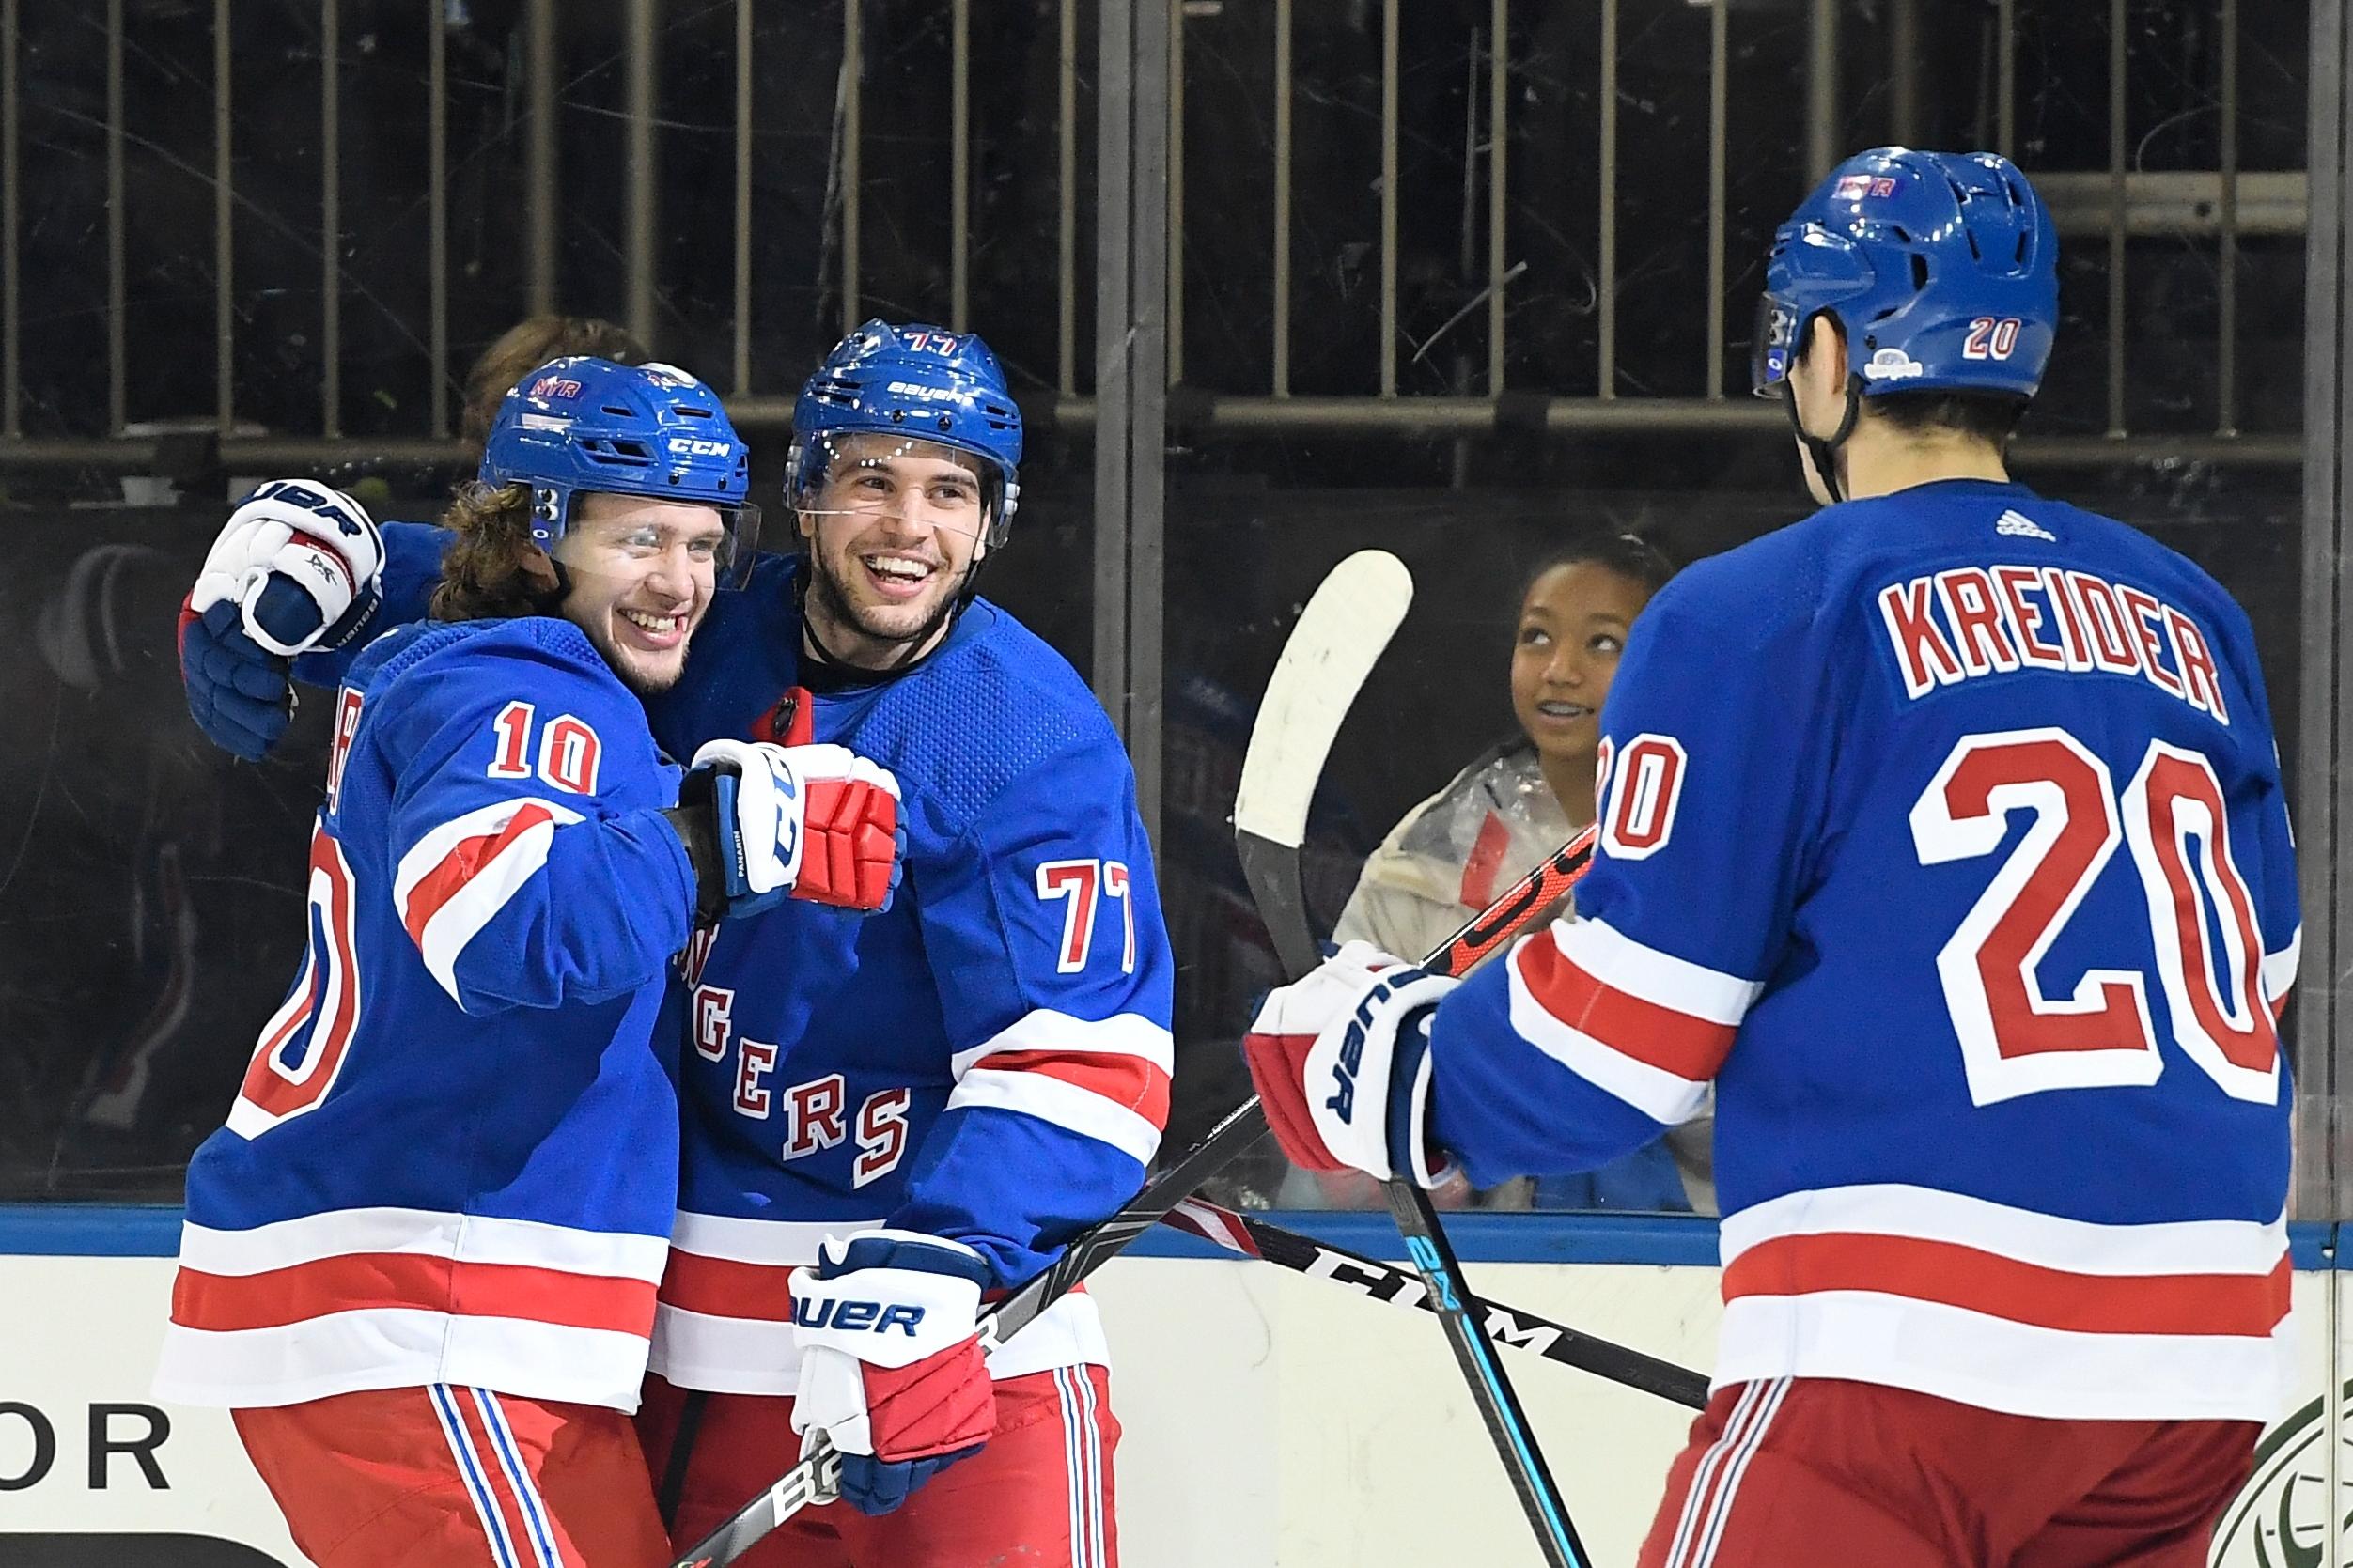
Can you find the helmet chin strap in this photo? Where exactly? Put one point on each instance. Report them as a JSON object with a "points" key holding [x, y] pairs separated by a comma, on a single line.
{"points": [[1822, 452]]}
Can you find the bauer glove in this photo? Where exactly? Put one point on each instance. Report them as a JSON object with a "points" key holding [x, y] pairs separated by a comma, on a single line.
{"points": [[240, 693], [1341, 1058], [302, 563], [891, 1368]]}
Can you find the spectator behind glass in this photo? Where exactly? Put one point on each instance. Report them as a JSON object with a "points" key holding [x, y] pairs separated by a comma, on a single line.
{"points": [[1509, 808]]}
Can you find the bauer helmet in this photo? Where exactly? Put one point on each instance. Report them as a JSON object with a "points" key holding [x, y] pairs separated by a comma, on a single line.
{"points": [[581, 425], [918, 382], [1941, 267]]}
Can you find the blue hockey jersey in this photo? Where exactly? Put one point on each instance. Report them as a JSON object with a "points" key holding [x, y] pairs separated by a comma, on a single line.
{"points": [[988, 1059], [1943, 832], [453, 1157]]}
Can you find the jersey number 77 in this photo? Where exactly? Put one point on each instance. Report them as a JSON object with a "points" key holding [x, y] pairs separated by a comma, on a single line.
{"points": [[2016, 1041]]}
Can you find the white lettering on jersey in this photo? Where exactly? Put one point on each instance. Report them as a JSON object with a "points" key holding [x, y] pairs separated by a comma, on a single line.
{"points": [[1965, 622]]}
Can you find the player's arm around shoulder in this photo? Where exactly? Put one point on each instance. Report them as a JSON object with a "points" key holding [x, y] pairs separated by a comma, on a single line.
{"points": [[534, 864]]}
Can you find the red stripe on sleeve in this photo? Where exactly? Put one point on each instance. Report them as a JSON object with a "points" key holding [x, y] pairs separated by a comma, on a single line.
{"points": [[461, 866], [1128, 1081], [1673, 1042]]}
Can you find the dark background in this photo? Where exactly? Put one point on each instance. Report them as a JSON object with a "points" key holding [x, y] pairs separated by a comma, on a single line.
{"points": [[148, 884]]}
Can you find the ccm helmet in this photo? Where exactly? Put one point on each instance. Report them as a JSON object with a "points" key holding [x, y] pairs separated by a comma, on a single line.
{"points": [[582, 425]]}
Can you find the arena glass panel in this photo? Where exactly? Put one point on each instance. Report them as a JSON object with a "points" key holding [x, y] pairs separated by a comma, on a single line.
{"points": [[735, 185], [1470, 303]]}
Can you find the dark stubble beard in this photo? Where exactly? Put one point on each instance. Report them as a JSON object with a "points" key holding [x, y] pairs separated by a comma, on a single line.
{"points": [[826, 585]]}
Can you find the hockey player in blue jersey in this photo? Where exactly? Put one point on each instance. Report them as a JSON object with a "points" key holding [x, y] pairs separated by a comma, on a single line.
{"points": [[420, 1260], [984, 1072], [1942, 832]]}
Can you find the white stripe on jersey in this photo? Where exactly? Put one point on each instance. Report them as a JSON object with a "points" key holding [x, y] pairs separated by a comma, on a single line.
{"points": [[1065, 1105], [483, 890], [1657, 1094], [1658, 978], [2279, 968], [1996, 1364], [465, 1237], [2044, 1240], [1044, 1029]]}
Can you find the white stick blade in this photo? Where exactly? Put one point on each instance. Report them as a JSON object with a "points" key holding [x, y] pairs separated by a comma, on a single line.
{"points": [[1325, 662]]}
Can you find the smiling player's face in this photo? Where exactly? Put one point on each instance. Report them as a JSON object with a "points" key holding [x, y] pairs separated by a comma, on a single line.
{"points": [[892, 531], [1572, 629], [642, 574]]}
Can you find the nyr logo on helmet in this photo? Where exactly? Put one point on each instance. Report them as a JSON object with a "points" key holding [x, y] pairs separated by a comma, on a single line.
{"points": [[554, 387], [1855, 187], [1891, 365]]}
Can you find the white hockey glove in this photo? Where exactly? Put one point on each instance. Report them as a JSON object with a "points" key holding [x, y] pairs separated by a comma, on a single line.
{"points": [[302, 563], [1341, 1058], [814, 822], [891, 1367]]}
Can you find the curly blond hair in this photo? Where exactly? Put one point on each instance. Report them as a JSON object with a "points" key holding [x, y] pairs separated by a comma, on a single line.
{"points": [[492, 569]]}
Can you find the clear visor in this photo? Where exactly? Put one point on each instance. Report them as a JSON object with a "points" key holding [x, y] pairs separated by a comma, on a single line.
{"points": [[661, 528], [1775, 343], [910, 485]]}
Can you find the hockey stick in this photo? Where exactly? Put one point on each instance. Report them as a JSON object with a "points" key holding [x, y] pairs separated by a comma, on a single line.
{"points": [[1325, 661], [1253, 1237], [1287, 747], [817, 1477], [1351, 643]]}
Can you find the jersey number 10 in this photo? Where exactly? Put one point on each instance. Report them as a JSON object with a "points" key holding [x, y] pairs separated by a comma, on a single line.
{"points": [[2014, 1040]]}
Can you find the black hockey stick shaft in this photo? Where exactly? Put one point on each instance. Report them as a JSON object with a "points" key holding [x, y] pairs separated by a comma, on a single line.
{"points": [[1459, 1312], [1253, 1237], [817, 1477]]}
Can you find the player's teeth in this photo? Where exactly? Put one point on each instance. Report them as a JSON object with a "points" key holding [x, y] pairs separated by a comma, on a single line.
{"points": [[891, 567]]}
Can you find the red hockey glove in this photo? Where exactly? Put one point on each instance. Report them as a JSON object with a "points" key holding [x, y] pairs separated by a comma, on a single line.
{"points": [[1341, 1058], [892, 1369], [817, 822]]}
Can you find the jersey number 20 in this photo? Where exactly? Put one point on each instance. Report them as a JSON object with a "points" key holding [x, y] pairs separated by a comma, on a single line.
{"points": [[2014, 1040]]}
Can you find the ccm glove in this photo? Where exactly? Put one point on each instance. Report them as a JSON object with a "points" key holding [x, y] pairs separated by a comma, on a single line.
{"points": [[240, 693], [891, 1368], [816, 822], [304, 564], [1341, 1058]]}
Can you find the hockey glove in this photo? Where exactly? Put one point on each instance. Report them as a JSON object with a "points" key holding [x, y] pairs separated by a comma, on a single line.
{"points": [[238, 693], [304, 564], [892, 1369], [817, 822], [1341, 1058]]}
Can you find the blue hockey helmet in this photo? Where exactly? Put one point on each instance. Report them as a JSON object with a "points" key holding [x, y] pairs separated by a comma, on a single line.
{"points": [[582, 425], [1943, 268], [917, 382]]}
